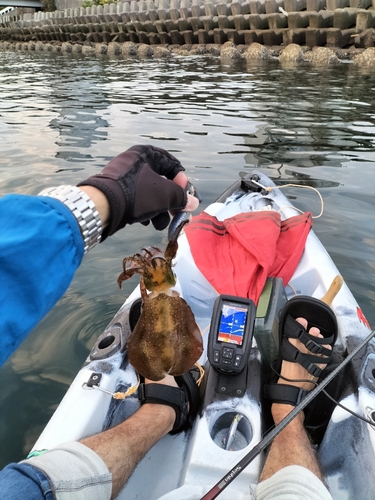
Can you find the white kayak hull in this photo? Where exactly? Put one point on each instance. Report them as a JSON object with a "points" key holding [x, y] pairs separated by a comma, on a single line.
{"points": [[187, 465]]}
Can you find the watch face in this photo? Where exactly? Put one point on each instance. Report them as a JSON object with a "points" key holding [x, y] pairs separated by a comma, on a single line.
{"points": [[232, 324]]}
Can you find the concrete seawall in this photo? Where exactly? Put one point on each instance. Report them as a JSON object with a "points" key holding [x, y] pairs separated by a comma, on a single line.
{"points": [[272, 25]]}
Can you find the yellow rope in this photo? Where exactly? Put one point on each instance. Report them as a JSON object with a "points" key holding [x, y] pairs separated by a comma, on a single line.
{"points": [[133, 388], [129, 392], [201, 374], [304, 187], [205, 330]]}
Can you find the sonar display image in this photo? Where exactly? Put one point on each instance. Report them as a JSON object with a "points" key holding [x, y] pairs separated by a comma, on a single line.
{"points": [[232, 324]]}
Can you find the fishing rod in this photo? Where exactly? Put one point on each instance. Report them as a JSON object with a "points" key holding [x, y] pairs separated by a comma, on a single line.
{"points": [[268, 438]]}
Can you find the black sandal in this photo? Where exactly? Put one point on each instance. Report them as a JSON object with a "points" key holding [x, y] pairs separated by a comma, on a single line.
{"points": [[317, 314], [184, 399]]}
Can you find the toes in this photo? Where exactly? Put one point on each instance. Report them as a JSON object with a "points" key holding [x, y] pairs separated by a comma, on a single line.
{"points": [[294, 372], [302, 321], [313, 330]]}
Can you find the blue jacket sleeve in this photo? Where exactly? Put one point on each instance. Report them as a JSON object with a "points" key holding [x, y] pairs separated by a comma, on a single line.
{"points": [[40, 249]]}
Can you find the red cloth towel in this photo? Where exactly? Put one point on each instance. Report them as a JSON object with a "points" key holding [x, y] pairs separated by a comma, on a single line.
{"points": [[238, 254]]}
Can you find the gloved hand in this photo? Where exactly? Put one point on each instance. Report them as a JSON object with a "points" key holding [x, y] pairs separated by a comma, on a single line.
{"points": [[136, 190]]}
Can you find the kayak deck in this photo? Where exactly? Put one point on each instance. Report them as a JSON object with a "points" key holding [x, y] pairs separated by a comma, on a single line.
{"points": [[187, 465]]}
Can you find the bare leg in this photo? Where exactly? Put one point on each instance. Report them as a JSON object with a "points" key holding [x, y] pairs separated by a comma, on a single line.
{"points": [[122, 447], [292, 446]]}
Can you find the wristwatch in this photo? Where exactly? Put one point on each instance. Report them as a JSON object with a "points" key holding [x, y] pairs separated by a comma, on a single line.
{"points": [[83, 209]]}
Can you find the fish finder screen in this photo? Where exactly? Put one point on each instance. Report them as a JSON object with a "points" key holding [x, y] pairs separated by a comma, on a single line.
{"points": [[232, 324]]}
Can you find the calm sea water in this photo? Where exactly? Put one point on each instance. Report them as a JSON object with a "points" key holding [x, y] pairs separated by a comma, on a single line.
{"points": [[62, 118]]}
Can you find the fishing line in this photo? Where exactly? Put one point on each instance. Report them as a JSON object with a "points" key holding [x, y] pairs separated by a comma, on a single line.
{"points": [[293, 289], [269, 437], [364, 419], [303, 187], [368, 421], [268, 189], [195, 179]]}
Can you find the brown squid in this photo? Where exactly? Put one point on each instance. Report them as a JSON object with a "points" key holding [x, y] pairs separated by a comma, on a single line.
{"points": [[166, 339]]}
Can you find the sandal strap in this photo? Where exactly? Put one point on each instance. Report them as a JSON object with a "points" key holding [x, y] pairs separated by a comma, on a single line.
{"points": [[290, 353], [293, 329], [169, 396], [285, 394]]}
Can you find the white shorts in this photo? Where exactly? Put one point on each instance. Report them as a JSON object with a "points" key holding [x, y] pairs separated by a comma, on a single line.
{"points": [[74, 471], [292, 483]]}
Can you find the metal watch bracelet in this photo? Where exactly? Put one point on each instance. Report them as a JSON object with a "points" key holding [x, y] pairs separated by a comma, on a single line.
{"points": [[83, 209]]}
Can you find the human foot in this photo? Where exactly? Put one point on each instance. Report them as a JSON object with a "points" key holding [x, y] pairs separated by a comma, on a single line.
{"points": [[294, 373], [168, 380], [180, 394]]}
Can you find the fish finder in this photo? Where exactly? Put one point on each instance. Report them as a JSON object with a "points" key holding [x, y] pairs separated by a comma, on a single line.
{"points": [[231, 333]]}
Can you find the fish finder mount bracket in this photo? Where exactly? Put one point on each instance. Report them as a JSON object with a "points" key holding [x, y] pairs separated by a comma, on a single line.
{"points": [[251, 183]]}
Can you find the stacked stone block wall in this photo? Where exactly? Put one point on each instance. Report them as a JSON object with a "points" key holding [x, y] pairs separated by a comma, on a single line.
{"points": [[312, 23]]}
